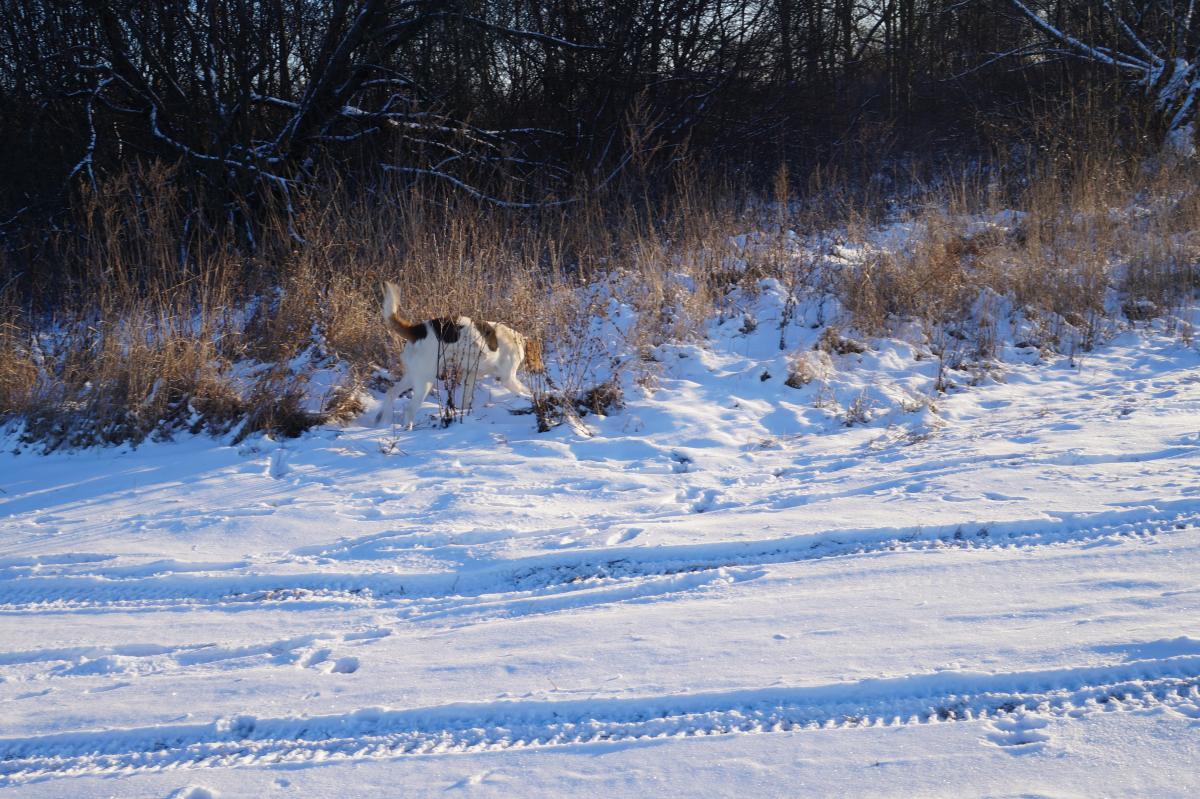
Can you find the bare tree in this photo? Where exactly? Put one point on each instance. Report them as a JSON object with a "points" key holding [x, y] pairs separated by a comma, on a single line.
{"points": [[251, 96], [524, 102], [1155, 42]]}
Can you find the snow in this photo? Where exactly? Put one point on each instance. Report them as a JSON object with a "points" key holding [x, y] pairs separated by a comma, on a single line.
{"points": [[730, 586]]}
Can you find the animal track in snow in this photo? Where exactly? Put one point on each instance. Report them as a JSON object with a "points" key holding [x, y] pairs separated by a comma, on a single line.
{"points": [[194, 792], [1020, 733], [346, 665], [316, 658], [304, 651], [623, 537], [321, 662]]}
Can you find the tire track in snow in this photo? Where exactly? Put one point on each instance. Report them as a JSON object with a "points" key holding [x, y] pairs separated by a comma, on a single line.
{"points": [[543, 575], [1171, 683], [314, 650]]}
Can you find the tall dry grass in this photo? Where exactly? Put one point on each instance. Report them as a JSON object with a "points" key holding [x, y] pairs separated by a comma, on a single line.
{"points": [[157, 327], [160, 325], [1076, 244]]}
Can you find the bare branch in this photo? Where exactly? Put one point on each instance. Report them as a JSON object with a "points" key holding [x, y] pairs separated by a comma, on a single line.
{"points": [[87, 162], [1121, 60], [1133, 37], [471, 190]]}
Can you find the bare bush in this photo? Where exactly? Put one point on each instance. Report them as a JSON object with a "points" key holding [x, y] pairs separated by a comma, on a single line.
{"points": [[807, 367], [832, 341]]}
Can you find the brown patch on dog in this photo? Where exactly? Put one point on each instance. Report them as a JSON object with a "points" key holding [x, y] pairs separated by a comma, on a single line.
{"points": [[488, 332], [391, 317], [533, 356], [405, 329]]}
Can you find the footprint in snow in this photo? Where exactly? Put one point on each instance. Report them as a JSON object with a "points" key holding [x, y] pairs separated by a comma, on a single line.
{"points": [[697, 500], [320, 660], [623, 536], [346, 665], [277, 467], [368, 635], [1021, 734], [705, 501], [996, 497], [316, 658], [103, 689], [482, 778], [193, 792]]}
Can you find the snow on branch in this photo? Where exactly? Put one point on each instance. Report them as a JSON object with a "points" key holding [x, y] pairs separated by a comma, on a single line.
{"points": [[1169, 74], [1094, 53], [86, 163]]}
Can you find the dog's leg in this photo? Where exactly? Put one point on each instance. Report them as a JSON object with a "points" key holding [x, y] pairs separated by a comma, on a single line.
{"points": [[514, 384], [421, 389], [398, 388]]}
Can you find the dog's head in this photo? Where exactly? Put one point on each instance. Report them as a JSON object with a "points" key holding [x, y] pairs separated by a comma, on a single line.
{"points": [[533, 356]]}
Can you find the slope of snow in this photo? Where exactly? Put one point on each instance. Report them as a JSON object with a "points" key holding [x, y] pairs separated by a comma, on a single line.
{"points": [[720, 589]]}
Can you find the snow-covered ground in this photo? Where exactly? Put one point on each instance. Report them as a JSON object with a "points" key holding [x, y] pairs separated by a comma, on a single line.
{"points": [[721, 589]]}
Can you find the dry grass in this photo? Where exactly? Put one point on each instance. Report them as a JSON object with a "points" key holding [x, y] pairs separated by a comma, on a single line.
{"points": [[158, 327], [1113, 227], [807, 367]]}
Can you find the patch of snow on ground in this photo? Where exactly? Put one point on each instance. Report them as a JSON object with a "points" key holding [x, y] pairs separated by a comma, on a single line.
{"points": [[855, 586]]}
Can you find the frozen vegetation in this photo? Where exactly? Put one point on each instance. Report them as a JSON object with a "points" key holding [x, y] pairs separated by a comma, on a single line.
{"points": [[793, 559]]}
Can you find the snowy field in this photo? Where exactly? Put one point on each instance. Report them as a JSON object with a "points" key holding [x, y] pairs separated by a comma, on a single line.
{"points": [[720, 590]]}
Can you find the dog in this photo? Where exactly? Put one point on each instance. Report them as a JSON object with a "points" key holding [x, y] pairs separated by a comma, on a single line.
{"points": [[472, 347]]}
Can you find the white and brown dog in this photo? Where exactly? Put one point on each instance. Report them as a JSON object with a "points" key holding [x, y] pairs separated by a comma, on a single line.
{"points": [[471, 347]]}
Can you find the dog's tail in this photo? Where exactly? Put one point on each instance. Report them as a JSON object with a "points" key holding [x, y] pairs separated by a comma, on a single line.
{"points": [[533, 356], [391, 316]]}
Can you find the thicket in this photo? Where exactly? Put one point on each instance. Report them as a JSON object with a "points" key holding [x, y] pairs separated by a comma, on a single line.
{"points": [[200, 199]]}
